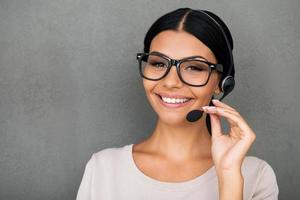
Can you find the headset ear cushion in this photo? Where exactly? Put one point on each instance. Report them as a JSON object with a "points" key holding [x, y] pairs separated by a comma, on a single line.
{"points": [[227, 85]]}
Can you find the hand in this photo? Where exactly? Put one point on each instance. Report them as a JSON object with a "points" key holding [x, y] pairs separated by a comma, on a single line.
{"points": [[228, 150]]}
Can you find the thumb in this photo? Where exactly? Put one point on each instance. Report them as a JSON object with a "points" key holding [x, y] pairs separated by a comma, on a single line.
{"points": [[216, 126]]}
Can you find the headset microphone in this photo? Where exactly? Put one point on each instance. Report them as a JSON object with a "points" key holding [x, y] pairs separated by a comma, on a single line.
{"points": [[194, 115], [226, 84]]}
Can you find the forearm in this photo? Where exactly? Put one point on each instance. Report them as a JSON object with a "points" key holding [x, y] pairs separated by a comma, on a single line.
{"points": [[231, 186]]}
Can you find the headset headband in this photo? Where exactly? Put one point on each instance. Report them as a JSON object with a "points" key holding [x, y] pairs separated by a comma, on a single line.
{"points": [[226, 39]]}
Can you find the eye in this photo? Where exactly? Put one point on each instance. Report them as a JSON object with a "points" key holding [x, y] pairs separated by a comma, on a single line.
{"points": [[157, 64], [195, 68]]}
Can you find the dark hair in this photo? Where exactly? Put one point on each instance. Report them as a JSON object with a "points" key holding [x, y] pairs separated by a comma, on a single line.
{"points": [[202, 27]]}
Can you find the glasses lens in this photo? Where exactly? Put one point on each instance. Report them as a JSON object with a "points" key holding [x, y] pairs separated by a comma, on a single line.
{"points": [[195, 72], [153, 66]]}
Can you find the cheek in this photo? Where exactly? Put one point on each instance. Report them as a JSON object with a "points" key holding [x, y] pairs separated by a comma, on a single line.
{"points": [[213, 82], [205, 93], [148, 85]]}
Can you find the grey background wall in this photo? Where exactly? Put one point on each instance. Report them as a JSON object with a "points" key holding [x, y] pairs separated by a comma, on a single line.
{"points": [[69, 86]]}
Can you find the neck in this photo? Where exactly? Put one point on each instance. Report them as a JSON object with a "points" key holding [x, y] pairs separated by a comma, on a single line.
{"points": [[181, 141]]}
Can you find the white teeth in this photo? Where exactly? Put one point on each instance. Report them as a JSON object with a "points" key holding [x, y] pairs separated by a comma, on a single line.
{"points": [[173, 100]]}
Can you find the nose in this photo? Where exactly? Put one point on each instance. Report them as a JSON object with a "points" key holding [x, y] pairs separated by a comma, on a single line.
{"points": [[172, 79]]}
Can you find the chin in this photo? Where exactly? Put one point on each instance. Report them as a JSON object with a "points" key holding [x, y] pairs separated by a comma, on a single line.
{"points": [[169, 115], [171, 118]]}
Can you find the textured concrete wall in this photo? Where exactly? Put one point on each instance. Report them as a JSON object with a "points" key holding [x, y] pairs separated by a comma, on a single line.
{"points": [[69, 86]]}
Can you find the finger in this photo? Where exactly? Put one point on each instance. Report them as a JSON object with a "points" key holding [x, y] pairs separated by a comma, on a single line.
{"points": [[233, 119], [233, 126], [222, 104], [213, 109], [243, 145], [234, 112], [219, 111], [240, 149], [216, 126]]}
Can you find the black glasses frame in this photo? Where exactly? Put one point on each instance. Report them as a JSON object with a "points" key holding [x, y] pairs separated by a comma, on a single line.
{"points": [[218, 67]]}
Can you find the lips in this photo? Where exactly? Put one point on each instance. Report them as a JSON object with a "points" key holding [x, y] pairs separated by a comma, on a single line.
{"points": [[176, 96], [172, 102]]}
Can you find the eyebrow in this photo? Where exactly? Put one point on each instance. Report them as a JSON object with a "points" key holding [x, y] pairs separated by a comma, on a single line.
{"points": [[198, 56]]}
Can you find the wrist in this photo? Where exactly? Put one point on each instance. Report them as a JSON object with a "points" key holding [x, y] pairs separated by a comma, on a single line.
{"points": [[231, 185], [230, 179], [228, 173]]}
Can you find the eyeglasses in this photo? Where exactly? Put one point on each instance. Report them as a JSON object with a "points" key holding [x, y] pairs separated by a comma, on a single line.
{"points": [[194, 71]]}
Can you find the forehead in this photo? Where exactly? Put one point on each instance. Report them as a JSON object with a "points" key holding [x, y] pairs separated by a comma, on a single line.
{"points": [[179, 45]]}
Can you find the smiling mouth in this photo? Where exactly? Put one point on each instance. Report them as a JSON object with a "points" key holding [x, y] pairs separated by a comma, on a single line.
{"points": [[173, 100]]}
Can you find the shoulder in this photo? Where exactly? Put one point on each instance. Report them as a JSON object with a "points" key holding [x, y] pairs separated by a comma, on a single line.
{"points": [[260, 176], [108, 155], [253, 162], [255, 165], [101, 166]]}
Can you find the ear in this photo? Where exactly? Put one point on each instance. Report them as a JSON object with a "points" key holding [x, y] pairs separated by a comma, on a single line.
{"points": [[217, 89]]}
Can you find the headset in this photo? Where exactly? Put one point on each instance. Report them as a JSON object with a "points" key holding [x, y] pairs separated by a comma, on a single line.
{"points": [[227, 83]]}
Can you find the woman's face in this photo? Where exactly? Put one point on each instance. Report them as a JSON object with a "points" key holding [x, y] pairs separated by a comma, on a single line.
{"points": [[178, 45]]}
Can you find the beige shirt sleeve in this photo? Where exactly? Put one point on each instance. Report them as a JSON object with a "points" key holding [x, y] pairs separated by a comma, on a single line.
{"points": [[85, 185], [266, 187]]}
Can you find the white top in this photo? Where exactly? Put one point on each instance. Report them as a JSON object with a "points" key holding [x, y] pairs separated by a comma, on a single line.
{"points": [[112, 174]]}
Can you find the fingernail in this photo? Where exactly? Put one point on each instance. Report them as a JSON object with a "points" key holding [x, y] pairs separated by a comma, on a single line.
{"points": [[212, 108], [221, 110], [216, 100]]}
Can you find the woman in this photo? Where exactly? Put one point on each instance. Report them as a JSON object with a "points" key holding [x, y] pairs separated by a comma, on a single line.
{"points": [[187, 156]]}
